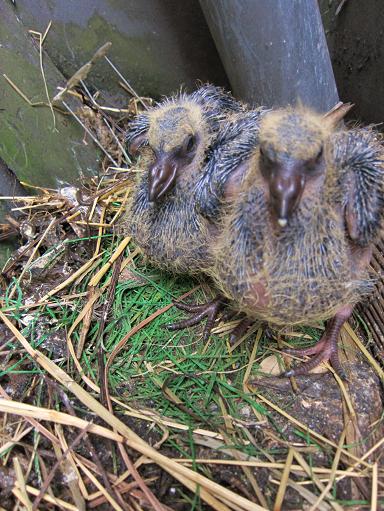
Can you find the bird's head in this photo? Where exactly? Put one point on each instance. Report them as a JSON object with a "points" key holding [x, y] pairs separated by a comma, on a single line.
{"points": [[178, 136], [291, 158]]}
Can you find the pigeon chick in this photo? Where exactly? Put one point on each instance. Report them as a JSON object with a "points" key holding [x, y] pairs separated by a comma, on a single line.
{"points": [[176, 139], [175, 206], [295, 244]]}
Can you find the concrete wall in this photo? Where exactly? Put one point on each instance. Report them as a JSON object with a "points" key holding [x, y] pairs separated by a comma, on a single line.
{"points": [[356, 41]]}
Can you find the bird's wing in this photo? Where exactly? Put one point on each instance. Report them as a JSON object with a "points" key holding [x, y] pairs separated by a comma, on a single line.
{"points": [[216, 100], [234, 144], [359, 158]]}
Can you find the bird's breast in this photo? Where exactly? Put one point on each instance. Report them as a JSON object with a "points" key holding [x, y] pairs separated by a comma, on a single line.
{"points": [[289, 276], [171, 234]]}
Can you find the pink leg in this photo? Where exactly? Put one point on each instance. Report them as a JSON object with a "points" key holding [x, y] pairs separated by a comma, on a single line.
{"points": [[326, 349]]}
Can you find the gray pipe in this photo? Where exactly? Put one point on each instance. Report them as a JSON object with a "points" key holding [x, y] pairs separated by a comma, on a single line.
{"points": [[274, 51]]}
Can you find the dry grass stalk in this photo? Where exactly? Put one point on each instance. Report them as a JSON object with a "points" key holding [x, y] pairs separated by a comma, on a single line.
{"points": [[284, 481], [298, 469], [364, 350], [374, 493], [32, 256], [35, 424], [82, 73], [52, 500], [75, 482], [186, 476], [100, 274], [16, 439], [93, 296], [335, 464], [94, 480], [315, 435], [36, 412], [41, 39], [81, 271], [61, 458], [22, 491], [315, 480]]}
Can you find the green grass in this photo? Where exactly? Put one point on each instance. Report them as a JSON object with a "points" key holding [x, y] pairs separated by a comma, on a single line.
{"points": [[154, 359], [174, 373]]}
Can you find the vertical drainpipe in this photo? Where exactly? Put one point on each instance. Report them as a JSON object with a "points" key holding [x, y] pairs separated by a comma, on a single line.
{"points": [[274, 51]]}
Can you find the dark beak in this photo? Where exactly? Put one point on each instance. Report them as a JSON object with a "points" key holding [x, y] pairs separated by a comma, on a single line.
{"points": [[286, 187], [162, 176]]}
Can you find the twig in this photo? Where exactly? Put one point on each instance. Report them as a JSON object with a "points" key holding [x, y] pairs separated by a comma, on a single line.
{"points": [[374, 491], [335, 464], [42, 38], [26, 266], [87, 440], [89, 133], [127, 84], [121, 147], [21, 94], [52, 472], [283, 482], [93, 479], [35, 424], [104, 316], [22, 486], [82, 73], [340, 7]]}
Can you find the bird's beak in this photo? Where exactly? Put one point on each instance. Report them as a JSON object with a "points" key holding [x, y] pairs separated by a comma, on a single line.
{"points": [[162, 176], [286, 187]]}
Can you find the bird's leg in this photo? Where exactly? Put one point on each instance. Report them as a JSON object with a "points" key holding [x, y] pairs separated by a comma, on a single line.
{"points": [[228, 315], [326, 349], [208, 310], [238, 332]]}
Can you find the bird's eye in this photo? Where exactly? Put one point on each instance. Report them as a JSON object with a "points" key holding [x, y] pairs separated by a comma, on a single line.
{"points": [[314, 165], [190, 144]]}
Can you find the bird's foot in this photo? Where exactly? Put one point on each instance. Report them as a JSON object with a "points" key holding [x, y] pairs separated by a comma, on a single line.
{"points": [[208, 310], [325, 350]]}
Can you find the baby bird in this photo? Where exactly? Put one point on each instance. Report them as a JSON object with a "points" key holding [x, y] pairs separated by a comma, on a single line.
{"points": [[173, 213], [295, 244], [176, 139]]}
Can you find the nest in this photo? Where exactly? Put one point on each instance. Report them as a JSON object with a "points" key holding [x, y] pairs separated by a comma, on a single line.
{"points": [[103, 408]]}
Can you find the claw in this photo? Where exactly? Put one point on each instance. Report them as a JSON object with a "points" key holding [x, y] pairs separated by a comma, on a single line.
{"points": [[209, 310], [325, 350]]}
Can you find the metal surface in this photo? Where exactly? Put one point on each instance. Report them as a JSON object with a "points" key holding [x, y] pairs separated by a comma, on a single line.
{"points": [[274, 51]]}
